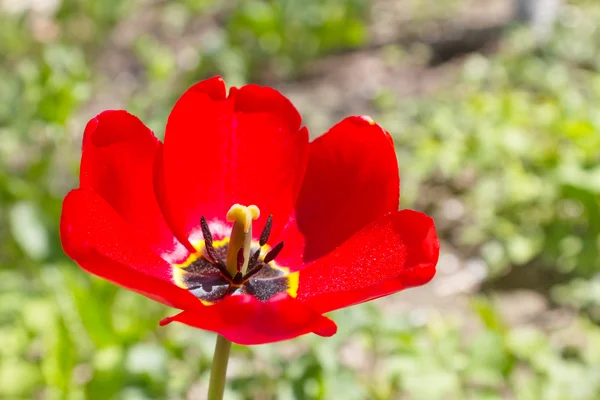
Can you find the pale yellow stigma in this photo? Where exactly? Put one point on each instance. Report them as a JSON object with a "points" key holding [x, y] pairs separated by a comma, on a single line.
{"points": [[243, 215], [241, 236]]}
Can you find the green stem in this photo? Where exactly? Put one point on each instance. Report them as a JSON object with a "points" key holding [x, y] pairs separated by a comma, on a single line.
{"points": [[218, 371]]}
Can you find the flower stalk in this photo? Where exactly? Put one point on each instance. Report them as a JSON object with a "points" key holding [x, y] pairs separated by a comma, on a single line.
{"points": [[218, 372]]}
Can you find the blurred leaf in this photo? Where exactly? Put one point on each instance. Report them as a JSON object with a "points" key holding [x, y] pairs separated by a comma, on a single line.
{"points": [[17, 378], [28, 230]]}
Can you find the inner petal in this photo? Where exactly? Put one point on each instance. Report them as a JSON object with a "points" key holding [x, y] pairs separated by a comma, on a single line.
{"points": [[251, 139]]}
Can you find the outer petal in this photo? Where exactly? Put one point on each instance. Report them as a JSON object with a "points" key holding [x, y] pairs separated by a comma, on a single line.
{"points": [[117, 163], [218, 151], [398, 251], [245, 320], [98, 239], [351, 180]]}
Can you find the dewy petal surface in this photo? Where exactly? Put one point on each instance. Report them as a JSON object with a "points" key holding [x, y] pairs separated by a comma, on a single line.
{"points": [[246, 148], [117, 163], [397, 251], [351, 180], [99, 240], [245, 320]]}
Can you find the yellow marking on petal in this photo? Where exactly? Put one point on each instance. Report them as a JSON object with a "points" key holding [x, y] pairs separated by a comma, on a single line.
{"points": [[293, 278], [199, 246], [188, 261], [218, 243], [178, 277], [293, 283]]}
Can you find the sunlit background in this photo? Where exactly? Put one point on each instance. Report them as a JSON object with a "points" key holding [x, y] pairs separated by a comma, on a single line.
{"points": [[495, 109]]}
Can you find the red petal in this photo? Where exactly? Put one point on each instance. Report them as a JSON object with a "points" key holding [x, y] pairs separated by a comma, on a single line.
{"points": [[125, 276], [212, 87], [351, 180], [398, 251], [116, 126], [245, 320], [98, 239], [235, 150], [117, 163], [292, 254], [258, 99]]}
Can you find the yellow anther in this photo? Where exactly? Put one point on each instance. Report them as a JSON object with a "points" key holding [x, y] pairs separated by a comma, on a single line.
{"points": [[244, 215]]}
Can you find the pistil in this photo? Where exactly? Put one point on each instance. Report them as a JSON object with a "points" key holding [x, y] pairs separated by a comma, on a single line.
{"points": [[239, 262], [240, 241]]}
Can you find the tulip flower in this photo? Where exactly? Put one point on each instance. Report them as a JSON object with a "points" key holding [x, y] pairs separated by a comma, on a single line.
{"points": [[238, 221]]}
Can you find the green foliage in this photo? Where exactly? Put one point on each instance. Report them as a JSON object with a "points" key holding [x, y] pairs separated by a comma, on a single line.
{"points": [[84, 337], [275, 39], [288, 33], [514, 142]]}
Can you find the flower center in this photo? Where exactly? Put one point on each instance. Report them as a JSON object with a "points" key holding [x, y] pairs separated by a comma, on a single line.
{"points": [[235, 265]]}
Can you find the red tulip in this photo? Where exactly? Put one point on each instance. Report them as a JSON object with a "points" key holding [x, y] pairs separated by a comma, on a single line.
{"points": [[239, 221]]}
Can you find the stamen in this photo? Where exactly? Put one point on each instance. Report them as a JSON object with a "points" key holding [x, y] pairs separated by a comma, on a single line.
{"points": [[240, 259], [253, 272], [206, 230], [238, 279], [222, 268], [210, 249], [208, 240], [254, 258], [273, 253], [264, 236]]}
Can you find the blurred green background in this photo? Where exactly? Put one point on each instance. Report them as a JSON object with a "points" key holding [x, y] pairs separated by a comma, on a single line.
{"points": [[495, 111]]}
